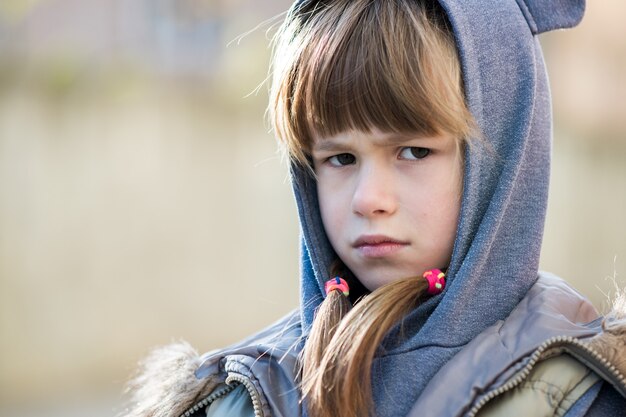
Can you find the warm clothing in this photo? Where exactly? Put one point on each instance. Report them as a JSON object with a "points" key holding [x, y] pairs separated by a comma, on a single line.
{"points": [[551, 320], [494, 314]]}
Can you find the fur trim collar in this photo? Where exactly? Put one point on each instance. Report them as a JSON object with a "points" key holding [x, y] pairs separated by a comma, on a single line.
{"points": [[165, 384], [611, 343]]}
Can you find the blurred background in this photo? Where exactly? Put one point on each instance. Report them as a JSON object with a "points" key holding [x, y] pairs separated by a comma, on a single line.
{"points": [[142, 200]]}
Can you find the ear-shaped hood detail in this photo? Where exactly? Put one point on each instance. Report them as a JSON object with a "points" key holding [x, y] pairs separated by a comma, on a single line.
{"points": [[541, 15], [547, 15], [496, 251]]}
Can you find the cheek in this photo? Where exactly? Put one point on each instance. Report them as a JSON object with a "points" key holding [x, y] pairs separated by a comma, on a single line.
{"points": [[440, 208], [450, 205], [332, 208], [451, 222]]}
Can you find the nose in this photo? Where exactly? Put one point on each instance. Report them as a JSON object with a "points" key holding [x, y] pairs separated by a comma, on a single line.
{"points": [[374, 192]]}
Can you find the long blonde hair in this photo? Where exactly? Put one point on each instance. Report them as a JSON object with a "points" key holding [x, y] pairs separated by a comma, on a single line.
{"points": [[361, 64]]}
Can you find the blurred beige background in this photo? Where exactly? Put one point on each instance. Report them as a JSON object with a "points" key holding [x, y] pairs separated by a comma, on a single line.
{"points": [[142, 199]]}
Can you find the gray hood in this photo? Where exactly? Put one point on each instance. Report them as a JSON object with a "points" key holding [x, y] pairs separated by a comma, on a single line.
{"points": [[496, 252]]}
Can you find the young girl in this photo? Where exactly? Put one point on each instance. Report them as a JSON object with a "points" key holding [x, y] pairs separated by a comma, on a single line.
{"points": [[419, 135]]}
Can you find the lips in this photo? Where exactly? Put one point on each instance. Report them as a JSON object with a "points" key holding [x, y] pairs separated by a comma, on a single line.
{"points": [[378, 246]]}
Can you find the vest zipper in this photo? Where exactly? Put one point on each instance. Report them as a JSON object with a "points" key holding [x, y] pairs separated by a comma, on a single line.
{"points": [[232, 381], [209, 399], [578, 349], [254, 394]]}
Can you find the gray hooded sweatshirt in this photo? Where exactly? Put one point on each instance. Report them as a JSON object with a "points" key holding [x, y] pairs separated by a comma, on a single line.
{"points": [[496, 310]]}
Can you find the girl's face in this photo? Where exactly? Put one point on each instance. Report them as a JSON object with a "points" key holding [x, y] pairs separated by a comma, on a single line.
{"points": [[390, 203]]}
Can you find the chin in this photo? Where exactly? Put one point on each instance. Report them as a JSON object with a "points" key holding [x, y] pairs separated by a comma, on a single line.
{"points": [[373, 281]]}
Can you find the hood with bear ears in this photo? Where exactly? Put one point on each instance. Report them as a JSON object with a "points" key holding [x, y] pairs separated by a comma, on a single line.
{"points": [[496, 251]]}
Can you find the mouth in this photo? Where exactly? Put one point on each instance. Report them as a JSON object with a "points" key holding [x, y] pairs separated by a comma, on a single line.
{"points": [[378, 246]]}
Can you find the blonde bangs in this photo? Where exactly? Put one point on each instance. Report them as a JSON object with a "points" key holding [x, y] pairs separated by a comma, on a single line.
{"points": [[390, 65]]}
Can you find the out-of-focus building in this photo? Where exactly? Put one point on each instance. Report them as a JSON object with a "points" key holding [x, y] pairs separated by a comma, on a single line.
{"points": [[170, 36]]}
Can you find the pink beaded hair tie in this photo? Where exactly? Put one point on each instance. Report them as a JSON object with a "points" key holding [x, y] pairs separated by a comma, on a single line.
{"points": [[337, 284], [436, 281]]}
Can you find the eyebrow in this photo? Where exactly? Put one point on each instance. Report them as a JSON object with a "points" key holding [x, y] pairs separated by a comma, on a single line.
{"points": [[391, 139], [327, 145]]}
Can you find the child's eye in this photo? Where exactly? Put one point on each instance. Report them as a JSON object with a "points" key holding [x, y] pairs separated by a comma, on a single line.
{"points": [[342, 159], [414, 152]]}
